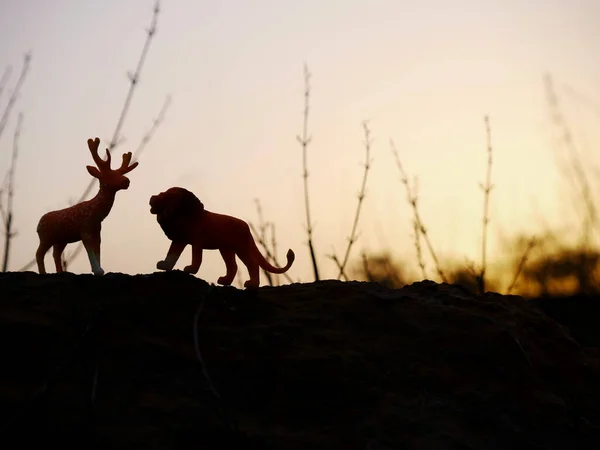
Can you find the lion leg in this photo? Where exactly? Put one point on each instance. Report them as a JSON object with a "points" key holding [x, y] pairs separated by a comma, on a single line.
{"points": [[175, 251], [196, 260], [253, 270], [57, 251], [41, 253], [230, 264]]}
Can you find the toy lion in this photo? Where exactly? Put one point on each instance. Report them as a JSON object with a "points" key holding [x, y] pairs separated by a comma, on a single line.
{"points": [[183, 219]]}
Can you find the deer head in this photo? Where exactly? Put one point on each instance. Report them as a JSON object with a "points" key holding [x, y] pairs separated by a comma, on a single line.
{"points": [[113, 179]]}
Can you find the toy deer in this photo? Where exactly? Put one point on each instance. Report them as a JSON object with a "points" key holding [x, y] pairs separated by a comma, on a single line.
{"points": [[83, 221]]}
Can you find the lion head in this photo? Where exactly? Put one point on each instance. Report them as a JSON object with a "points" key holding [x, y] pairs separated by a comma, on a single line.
{"points": [[176, 210]]}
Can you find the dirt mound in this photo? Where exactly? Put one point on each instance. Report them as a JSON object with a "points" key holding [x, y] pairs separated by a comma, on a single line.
{"points": [[110, 362]]}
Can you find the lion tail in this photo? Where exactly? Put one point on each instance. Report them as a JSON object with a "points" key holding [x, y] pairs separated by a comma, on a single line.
{"points": [[264, 264]]}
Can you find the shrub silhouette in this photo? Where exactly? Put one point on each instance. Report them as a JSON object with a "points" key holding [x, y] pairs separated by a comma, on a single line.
{"points": [[558, 268], [382, 268]]}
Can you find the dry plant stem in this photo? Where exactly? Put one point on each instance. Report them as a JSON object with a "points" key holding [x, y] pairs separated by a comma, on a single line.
{"points": [[418, 249], [522, 262], [145, 140], [588, 200], [265, 247], [486, 188], [15, 94], [8, 231], [273, 240], [593, 106], [361, 195], [4, 79], [274, 247], [579, 174], [365, 264], [262, 237], [155, 124], [304, 141], [413, 200]]}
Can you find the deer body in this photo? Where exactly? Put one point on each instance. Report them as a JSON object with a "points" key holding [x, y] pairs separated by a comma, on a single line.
{"points": [[83, 221]]}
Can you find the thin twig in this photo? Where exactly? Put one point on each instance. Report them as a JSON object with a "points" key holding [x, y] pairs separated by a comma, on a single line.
{"points": [[365, 267], [4, 79], [150, 134], [15, 94], [8, 231], [587, 197], [3, 188], [361, 195], [274, 247], [412, 200], [595, 107], [532, 242], [419, 249], [304, 141], [486, 188], [262, 227], [265, 247]]}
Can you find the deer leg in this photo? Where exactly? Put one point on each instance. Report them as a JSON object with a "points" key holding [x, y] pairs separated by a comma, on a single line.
{"points": [[230, 264], [57, 255], [196, 260], [89, 244], [173, 255], [97, 249], [40, 253]]}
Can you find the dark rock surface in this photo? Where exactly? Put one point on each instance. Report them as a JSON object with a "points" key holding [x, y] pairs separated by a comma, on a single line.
{"points": [[326, 365]]}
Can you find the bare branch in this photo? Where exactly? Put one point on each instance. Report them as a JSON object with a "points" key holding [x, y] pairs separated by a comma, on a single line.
{"points": [[304, 141], [15, 94], [353, 237], [532, 242], [578, 175], [265, 247], [418, 248], [274, 247], [271, 253], [4, 79], [262, 236], [3, 188], [8, 231], [413, 200], [150, 134], [486, 188]]}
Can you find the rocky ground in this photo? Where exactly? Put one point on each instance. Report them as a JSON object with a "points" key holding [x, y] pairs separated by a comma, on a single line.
{"points": [[110, 363]]}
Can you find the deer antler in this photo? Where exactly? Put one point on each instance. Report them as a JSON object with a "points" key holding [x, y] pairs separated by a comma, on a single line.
{"points": [[125, 167], [102, 164]]}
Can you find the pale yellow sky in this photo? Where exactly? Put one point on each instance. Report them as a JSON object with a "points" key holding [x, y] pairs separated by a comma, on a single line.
{"points": [[423, 74]]}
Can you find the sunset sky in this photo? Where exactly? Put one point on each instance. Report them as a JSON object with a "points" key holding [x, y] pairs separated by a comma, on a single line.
{"points": [[423, 73]]}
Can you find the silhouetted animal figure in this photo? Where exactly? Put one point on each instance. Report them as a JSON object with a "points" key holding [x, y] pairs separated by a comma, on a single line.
{"points": [[83, 221], [183, 219]]}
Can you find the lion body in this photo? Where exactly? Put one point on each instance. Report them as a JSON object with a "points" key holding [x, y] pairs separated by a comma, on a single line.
{"points": [[183, 219]]}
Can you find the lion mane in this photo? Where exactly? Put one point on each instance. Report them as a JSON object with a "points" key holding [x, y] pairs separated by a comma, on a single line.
{"points": [[185, 221]]}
